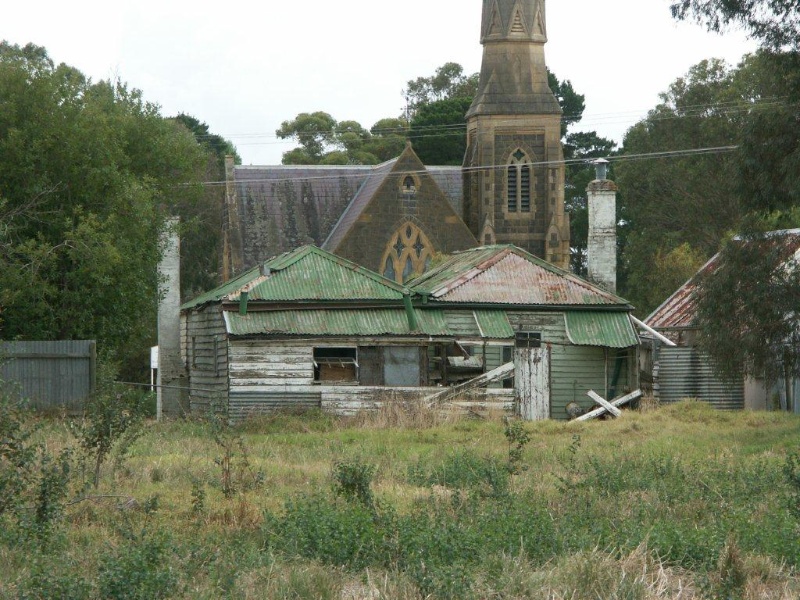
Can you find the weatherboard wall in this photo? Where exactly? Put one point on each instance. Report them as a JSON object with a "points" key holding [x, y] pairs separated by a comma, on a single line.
{"points": [[206, 354], [574, 370]]}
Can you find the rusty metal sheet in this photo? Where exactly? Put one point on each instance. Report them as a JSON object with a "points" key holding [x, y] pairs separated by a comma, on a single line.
{"points": [[510, 276]]}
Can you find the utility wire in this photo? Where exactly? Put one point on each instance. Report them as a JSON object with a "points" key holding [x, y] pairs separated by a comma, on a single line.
{"points": [[371, 170]]}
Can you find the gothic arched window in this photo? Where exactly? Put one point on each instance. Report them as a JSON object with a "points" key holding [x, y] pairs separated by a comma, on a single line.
{"points": [[409, 252], [518, 186]]}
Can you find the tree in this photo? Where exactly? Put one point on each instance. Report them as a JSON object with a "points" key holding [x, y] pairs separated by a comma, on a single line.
{"points": [[682, 198], [89, 172], [313, 131], [325, 141], [775, 23], [446, 83], [756, 329], [438, 131]]}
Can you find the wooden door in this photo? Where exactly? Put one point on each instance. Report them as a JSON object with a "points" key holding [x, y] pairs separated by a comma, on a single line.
{"points": [[532, 383]]}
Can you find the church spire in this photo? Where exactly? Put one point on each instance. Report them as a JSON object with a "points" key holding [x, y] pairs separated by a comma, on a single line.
{"points": [[514, 165], [513, 73]]}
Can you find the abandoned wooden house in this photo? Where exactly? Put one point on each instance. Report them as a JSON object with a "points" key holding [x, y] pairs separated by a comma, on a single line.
{"points": [[309, 329]]}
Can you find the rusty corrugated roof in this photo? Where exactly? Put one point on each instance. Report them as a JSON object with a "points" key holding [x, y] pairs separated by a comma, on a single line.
{"points": [[508, 275], [680, 309]]}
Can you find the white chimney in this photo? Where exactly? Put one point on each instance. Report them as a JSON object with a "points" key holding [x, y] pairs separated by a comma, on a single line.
{"points": [[602, 243], [170, 398]]}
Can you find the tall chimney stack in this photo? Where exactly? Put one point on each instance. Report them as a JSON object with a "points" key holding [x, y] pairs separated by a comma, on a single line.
{"points": [[171, 399], [602, 243]]}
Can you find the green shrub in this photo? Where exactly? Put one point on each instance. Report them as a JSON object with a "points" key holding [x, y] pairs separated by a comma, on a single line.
{"points": [[18, 454], [317, 527], [463, 470], [142, 569], [352, 480]]}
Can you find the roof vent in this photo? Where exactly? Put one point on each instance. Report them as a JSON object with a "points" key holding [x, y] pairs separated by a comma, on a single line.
{"points": [[601, 169]]}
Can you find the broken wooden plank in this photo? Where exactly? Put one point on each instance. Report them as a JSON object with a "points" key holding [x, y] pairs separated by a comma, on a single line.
{"points": [[604, 403], [617, 403], [483, 380]]}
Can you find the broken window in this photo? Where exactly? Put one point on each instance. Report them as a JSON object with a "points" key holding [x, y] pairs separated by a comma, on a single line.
{"points": [[336, 365]]}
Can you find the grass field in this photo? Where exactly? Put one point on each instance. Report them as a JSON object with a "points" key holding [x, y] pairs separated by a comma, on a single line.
{"points": [[673, 502]]}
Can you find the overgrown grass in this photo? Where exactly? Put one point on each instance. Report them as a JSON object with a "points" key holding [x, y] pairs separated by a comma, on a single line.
{"points": [[674, 502]]}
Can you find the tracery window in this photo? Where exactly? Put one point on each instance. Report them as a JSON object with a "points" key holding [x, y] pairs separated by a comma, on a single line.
{"points": [[408, 253], [518, 185]]}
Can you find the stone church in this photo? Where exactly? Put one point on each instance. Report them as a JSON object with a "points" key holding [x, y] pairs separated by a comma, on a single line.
{"points": [[394, 218]]}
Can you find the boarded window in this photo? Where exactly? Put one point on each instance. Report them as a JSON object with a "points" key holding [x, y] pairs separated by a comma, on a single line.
{"points": [[370, 366], [401, 366], [336, 365]]}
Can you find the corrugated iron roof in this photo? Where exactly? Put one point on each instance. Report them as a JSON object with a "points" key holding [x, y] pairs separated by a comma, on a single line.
{"points": [[680, 309], [337, 322], [511, 276], [305, 274], [488, 324], [594, 328]]}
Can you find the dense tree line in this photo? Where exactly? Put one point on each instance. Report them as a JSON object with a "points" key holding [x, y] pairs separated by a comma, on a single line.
{"points": [[682, 208], [89, 172]]}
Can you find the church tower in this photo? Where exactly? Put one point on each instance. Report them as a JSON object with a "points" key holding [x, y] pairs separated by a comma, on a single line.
{"points": [[513, 168]]}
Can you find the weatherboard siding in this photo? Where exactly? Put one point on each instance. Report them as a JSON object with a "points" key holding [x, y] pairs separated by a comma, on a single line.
{"points": [[574, 370], [206, 355]]}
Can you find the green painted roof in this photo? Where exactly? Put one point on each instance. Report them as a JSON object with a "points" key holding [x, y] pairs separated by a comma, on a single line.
{"points": [[337, 322], [609, 329], [305, 274], [487, 324]]}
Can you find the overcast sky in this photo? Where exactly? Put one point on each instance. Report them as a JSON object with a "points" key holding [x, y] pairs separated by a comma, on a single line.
{"points": [[243, 67]]}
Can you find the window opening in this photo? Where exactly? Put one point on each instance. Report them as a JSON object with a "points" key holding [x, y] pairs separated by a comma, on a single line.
{"points": [[409, 253], [336, 365], [526, 339], [519, 183]]}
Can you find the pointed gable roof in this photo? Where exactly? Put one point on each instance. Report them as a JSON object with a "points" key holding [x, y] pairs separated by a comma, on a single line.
{"points": [[508, 275], [307, 274], [408, 163], [359, 203]]}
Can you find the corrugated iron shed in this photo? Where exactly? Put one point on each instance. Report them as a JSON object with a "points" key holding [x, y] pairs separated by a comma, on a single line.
{"points": [[510, 276], [306, 274], [609, 329]]}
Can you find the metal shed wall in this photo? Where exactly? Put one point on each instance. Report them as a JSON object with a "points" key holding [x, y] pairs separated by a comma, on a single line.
{"points": [[685, 372], [50, 375]]}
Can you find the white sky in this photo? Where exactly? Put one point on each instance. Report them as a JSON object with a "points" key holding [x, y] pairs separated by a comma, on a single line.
{"points": [[244, 67]]}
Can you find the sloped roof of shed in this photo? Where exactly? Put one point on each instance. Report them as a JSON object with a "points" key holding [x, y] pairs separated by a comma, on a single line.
{"points": [[680, 309], [508, 275], [306, 274]]}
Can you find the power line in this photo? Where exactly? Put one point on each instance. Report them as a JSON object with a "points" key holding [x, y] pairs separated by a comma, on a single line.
{"points": [[371, 170]]}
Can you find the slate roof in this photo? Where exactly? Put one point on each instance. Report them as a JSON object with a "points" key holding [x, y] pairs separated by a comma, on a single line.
{"points": [[359, 203], [282, 207], [508, 275]]}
